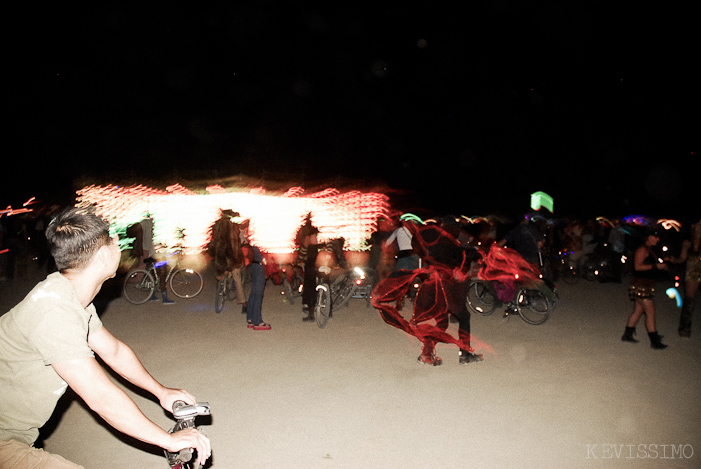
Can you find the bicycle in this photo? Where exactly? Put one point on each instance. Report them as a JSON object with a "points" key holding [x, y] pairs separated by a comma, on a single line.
{"points": [[354, 283], [185, 416], [225, 292], [532, 304], [322, 310], [141, 284], [292, 283]]}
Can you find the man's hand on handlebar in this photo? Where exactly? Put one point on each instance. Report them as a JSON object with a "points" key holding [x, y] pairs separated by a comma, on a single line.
{"points": [[169, 396], [191, 438]]}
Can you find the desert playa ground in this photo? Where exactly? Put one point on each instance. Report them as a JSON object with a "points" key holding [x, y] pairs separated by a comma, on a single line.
{"points": [[565, 394]]}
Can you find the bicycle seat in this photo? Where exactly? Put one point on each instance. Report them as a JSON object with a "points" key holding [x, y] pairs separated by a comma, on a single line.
{"points": [[149, 260]]}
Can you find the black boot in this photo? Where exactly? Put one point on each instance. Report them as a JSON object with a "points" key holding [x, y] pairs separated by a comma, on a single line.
{"points": [[656, 341], [628, 335], [310, 316], [685, 317]]}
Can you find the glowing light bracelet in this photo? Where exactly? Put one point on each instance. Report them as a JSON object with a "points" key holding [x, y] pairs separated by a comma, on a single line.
{"points": [[541, 199], [274, 220], [668, 224], [673, 293], [605, 221]]}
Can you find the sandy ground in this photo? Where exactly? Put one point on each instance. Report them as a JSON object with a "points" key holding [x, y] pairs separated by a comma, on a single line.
{"points": [[567, 393]]}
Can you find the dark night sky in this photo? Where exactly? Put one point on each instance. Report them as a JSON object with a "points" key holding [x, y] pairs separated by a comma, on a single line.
{"points": [[471, 109]]}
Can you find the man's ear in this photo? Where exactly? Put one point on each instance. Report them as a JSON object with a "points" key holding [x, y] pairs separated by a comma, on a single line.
{"points": [[103, 255]]}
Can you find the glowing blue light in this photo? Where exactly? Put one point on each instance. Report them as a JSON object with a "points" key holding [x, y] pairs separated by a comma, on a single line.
{"points": [[673, 293]]}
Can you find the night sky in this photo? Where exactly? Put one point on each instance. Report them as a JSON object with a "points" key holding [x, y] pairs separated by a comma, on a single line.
{"points": [[463, 110]]}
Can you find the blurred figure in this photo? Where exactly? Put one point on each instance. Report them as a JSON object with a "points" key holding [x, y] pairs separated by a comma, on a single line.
{"points": [[308, 252], [144, 252], [407, 259], [691, 254], [225, 248], [646, 269]]}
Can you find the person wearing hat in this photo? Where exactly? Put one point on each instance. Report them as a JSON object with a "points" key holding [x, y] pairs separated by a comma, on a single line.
{"points": [[646, 269]]}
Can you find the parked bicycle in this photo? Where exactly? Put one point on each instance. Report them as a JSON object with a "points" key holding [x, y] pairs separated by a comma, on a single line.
{"points": [[185, 416], [141, 284], [292, 283]]}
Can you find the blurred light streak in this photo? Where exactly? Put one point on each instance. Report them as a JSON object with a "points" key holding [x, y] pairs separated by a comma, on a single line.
{"points": [[668, 224], [673, 293], [274, 220], [540, 199]]}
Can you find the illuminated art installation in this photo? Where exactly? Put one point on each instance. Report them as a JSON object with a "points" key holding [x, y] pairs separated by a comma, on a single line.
{"points": [[183, 217], [541, 199]]}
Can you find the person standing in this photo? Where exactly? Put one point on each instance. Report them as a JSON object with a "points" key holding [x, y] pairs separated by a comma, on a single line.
{"points": [[691, 254], [254, 312], [308, 252], [407, 259], [49, 342], [646, 269]]}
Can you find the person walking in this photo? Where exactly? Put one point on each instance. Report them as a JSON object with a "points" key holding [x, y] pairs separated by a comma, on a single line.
{"points": [[646, 269]]}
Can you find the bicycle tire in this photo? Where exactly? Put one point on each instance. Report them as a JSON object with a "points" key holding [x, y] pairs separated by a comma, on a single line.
{"points": [[287, 291], [369, 284], [343, 291], [139, 286], [186, 283], [480, 299], [533, 306], [220, 296], [322, 310]]}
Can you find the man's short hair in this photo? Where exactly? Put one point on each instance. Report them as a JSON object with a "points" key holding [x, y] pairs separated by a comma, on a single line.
{"points": [[75, 235]]}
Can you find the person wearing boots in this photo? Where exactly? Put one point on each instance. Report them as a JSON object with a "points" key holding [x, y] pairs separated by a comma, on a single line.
{"points": [[691, 254], [642, 291]]}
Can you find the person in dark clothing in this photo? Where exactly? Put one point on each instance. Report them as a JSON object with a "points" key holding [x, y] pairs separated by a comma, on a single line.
{"points": [[642, 292], [525, 239], [308, 252]]}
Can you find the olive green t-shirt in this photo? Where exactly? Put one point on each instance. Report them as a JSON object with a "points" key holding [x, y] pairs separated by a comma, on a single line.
{"points": [[48, 326]]}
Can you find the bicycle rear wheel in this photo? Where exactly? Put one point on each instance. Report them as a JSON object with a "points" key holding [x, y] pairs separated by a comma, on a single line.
{"points": [[322, 310], [533, 306], [139, 286], [220, 296], [480, 299], [186, 283]]}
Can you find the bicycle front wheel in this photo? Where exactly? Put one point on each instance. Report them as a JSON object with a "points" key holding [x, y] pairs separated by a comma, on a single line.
{"points": [[220, 296], [480, 299], [342, 290], [533, 306], [186, 283], [139, 286], [322, 310]]}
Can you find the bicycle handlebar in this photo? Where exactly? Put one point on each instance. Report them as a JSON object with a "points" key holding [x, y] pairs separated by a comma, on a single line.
{"points": [[182, 411]]}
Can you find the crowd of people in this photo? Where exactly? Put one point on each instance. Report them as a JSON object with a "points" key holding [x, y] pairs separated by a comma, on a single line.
{"points": [[80, 255]]}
